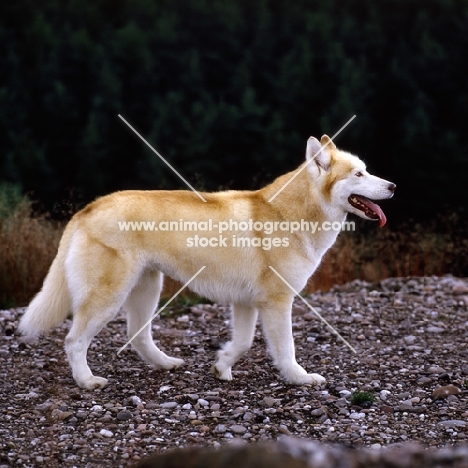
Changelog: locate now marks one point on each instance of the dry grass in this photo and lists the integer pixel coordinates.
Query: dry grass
(28, 244)
(435, 248)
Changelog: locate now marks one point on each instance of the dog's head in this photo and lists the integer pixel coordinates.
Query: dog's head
(345, 181)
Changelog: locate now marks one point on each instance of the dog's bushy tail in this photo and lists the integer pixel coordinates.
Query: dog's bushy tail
(52, 304)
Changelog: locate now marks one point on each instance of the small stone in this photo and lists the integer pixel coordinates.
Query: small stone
(135, 401)
(284, 430)
(269, 401)
(424, 381)
(436, 370)
(187, 406)
(459, 289)
(203, 402)
(61, 415)
(452, 423)
(220, 429)
(238, 429)
(384, 395)
(405, 407)
(316, 413)
(432, 329)
(444, 392)
(124, 416)
(169, 405)
(106, 433)
(410, 339)
(357, 415)
(248, 416)
(387, 409)
(97, 408)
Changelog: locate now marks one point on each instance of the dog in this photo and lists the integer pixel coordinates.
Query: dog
(101, 267)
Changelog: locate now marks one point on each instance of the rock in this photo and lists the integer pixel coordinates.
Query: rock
(424, 381)
(124, 416)
(269, 401)
(168, 405)
(357, 415)
(410, 339)
(284, 430)
(436, 370)
(459, 288)
(238, 429)
(384, 395)
(387, 409)
(317, 412)
(61, 415)
(220, 429)
(106, 433)
(135, 401)
(453, 423)
(444, 392)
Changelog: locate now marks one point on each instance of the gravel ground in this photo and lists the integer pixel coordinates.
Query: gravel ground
(411, 339)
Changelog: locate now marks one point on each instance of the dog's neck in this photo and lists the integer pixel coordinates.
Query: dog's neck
(296, 196)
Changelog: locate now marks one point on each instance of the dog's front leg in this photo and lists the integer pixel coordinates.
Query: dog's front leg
(277, 327)
(244, 319)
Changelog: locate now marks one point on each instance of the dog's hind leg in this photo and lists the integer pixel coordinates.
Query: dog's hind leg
(243, 329)
(140, 305)
(99, 283)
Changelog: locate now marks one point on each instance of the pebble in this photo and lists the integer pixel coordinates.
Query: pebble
(453, 423)
(238, 429)
(444, 392)
(269, 401)
(169, 405)
(135, 401)
(124, 416)
(398, 360)
(220, 429)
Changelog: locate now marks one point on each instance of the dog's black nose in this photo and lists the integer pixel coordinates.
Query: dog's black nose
(391, 187)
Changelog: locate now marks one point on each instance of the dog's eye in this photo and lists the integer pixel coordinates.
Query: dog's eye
(359, 174)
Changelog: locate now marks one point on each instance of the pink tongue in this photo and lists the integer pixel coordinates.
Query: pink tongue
(376, 209)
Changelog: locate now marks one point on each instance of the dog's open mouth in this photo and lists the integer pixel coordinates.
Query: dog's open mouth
(368, 207)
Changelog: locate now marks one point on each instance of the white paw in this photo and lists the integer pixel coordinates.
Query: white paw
(221, 374)
(308, 379)
(92, 383)
(171, 363)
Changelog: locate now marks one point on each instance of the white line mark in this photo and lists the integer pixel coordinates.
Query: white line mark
(193, 190)
(312, 309)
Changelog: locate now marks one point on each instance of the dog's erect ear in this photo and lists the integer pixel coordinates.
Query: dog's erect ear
(327, 141)
(318, 153)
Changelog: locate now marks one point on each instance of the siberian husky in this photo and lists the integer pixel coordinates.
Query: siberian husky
(102, 266)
